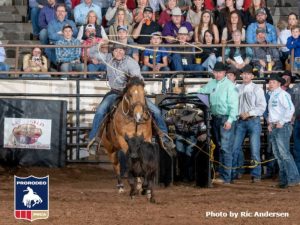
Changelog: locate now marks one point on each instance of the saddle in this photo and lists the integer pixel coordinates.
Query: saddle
(109, 116)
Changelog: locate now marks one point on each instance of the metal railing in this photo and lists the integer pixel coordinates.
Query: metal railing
(77, 128)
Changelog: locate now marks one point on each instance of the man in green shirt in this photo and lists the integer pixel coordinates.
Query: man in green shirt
(223, 99)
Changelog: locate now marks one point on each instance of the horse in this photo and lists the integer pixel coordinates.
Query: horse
(132, 118)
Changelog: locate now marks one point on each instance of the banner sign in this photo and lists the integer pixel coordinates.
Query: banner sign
(27, 133)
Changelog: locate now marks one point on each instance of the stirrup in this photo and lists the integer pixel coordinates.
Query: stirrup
(91, 142)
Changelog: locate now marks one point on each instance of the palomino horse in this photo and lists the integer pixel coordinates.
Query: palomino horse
(130, 118)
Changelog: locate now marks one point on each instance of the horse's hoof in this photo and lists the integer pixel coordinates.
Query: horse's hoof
(121, 190)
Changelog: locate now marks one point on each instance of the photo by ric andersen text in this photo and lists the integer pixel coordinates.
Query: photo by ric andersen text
(246, 214)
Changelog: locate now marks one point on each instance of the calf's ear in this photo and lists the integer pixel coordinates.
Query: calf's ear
(126, 137)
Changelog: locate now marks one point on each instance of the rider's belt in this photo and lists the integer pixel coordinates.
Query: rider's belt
(249, 118)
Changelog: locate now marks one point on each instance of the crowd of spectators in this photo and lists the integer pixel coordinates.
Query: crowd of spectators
(187, 23)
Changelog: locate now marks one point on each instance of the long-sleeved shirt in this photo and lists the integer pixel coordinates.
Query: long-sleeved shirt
(2, 54)
(65, 55)
(251, 99)
(81, 11)
(35, 3)
(55, 27)
(281, 107)
(295, 94)
(282, 39)
(223, 98)
(28, 62)
(47, 14)
(117, 71)
(170, 29)
(260, 53)
(271, 35)
(111, 13)
(293, 43)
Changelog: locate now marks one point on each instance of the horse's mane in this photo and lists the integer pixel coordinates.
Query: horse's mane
(133, 81)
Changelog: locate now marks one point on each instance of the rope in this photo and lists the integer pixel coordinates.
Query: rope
(211, 158)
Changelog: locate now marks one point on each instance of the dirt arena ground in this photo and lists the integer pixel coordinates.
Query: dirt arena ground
(86, 194)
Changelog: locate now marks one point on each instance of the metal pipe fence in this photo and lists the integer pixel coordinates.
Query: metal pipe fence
(76, 127)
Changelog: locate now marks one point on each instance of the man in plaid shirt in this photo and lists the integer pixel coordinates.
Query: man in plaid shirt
(68, 58)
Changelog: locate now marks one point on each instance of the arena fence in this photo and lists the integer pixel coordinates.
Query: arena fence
(76, 127)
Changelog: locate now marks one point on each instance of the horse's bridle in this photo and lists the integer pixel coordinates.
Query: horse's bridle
(132, 107)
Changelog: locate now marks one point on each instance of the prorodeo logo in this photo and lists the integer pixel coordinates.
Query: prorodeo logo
(31, 198)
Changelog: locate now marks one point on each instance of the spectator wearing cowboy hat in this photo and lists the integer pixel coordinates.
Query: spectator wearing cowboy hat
(171, 28)
(142, 31)
(180, 60)
(281, 110)
(289, 79)
(252, 104)
(224, 108)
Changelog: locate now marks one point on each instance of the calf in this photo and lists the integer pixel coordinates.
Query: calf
(142, 159)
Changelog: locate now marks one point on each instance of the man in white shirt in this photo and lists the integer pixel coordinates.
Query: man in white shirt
(281, 110)
(252, 104)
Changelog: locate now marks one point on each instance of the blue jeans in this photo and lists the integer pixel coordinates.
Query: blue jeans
(44, 37)
(109, 100)
(297, 65)
(223, 141)
(68, 67)
(271, 167)
(210, 62)
(4, 67)
(253, 128)
(34, 15)
(147, 68)
(280, 139)
(176, 62)
(183, 146)
(95, 68)
(36, 75)
(296, 151)
(50, 52)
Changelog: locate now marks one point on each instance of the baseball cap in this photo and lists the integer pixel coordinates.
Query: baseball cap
(259, 11)
(260, 30)
(67, 26)
(148, 9)
(90, 26)
(122, 27)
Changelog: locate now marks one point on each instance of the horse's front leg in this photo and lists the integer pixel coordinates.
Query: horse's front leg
(115, 161)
